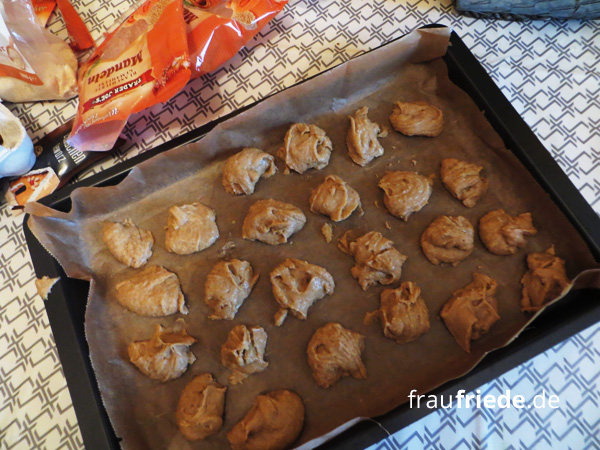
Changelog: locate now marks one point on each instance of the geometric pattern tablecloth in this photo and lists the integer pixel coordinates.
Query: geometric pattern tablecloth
(570, 370)
(549, 70)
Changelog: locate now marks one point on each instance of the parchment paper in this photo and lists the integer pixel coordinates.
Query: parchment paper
(142, 411)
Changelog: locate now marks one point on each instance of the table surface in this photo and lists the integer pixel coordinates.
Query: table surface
(550, 72)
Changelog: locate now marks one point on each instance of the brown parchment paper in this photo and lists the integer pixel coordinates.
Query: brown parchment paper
(142, 411)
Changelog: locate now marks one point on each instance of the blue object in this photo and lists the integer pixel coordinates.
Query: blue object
(19, 160)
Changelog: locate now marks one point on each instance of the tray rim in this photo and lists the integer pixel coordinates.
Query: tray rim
(536, 159)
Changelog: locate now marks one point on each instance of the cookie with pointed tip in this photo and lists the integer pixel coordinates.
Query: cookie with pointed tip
(152, 291)
(244, 352)
(242, 171)
(334, 198)
(200, 408)
(471, 310)
(166, 355)
(272, 222)
(128, 243)
(417, 119)
(297, 285)
(546, 280)
(335, 352)
(503, 234)
(463, 181)
(305, 147)
(273, 423)
(362, 138)
(190, 228)
(448, 240)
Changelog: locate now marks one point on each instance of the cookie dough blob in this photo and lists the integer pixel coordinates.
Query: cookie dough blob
(405, 193)
(243, 170)
(334, 198)
(190, 229)
(166, 355)
(503, 234)
(448, 240)
(244, 351)
(272, 222)
(463, 181)
(297, 285)
(152, 291)
(377, 260)
(200, 408)
(471, 311)
(403, 313)
(305, 147)
(227, 285)
(363, 145)
(44, 286)
(128, 244)
(545, 280)
(417, 119)
(335, 352)
(273, 423)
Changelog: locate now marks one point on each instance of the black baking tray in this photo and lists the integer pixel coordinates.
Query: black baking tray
(67, 301)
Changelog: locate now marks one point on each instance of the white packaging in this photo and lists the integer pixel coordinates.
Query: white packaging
(16, 148)
(34, 64)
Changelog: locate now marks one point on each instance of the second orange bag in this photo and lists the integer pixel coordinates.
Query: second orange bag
(218, 29)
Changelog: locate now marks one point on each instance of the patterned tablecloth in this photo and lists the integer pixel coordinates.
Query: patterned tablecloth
(549, 70)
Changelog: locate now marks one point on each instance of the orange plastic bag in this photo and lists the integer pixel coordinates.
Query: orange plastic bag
(218, 29)
(81, 39)
(142, 62)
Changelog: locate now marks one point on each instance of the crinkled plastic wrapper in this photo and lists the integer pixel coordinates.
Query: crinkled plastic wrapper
(218, 29)
(34, 64)
(143, 62)
(142, 411)
(147, 59)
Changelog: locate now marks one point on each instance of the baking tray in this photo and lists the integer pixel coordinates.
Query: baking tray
(67, 301)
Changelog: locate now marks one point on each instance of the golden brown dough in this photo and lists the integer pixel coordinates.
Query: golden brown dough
(128, 244)
(273, 423)
(377, 260)
(403, 313)
(272, 222)
(297, 285)
(242, 171)
(152, 291)
(405, 192)
(472, 310)
(166, 355)
(363, 145)
(335, 352)
(327, 232)
(463, 181)
(545, 280)
(305, 147)
(227, 285)
(503, 234)
(334, 198)
(244, 352)
(200, 408)
(448, 239)
(44, 286)
(190, 229)
(417, 119)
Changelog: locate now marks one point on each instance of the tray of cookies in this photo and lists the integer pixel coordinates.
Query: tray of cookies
(321, 254)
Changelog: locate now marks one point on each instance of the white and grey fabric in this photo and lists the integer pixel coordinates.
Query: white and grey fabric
(549, 70)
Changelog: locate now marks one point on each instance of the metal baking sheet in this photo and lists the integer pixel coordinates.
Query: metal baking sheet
(582, 221)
